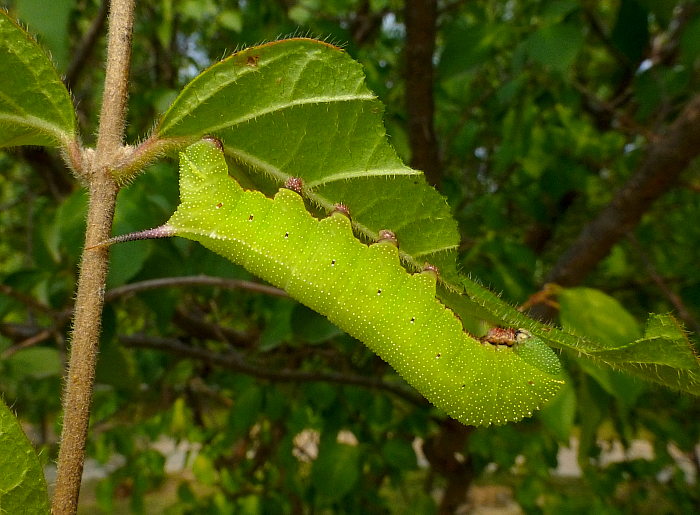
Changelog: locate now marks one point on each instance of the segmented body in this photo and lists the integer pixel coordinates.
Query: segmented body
(362, 289)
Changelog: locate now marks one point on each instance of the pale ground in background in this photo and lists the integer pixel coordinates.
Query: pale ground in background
(481, 500)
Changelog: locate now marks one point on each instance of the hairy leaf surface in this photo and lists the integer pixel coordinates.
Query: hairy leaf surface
(300, 108)
(35, 107)
(22, 484)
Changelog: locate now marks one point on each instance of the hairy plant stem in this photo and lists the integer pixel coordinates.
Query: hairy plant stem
(93, 271)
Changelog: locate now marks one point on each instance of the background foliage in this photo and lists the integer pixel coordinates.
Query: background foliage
(542, 111)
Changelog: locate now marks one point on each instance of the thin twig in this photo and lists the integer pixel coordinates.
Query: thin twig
(190, 323)
(201, 280)
(234, 362)
(683, 313)
(29, 342)
(28, 300)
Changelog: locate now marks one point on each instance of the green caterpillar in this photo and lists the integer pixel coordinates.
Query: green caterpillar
(362, 289)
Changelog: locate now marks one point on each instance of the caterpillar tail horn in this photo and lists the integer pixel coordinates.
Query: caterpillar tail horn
(164, 231)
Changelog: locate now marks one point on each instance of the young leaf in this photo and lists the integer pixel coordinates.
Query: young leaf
(663, 354)
(22, 484)
(35, 107)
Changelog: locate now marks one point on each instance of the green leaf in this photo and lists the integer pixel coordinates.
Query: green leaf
(35, 107)
(50, 20)
(400, 454)
(22, 484)
(312, 327)
(555, 45)
(605, 333)
(556, 11)
(624, 388)
(559, 414)
(690, 40)
(467, 46)
(663, 354)
(274, 104)
(104, 492)
(204, 470)
(336, 470)
(245, 411)
(67, 232)
(231, 19)
(592, 313)
(631, 31)
(35, 363)
(115, 365)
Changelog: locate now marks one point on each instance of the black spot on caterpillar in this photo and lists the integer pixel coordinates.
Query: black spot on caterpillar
(362, 289)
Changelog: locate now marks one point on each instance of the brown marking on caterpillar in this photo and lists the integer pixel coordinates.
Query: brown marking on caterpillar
(252, 60)
(386, 235)
(214, 141)
(431, 269)
(428, 266)
(500, 336)
(342, 209)
(219, 205)
(295, 184)
(250, 218)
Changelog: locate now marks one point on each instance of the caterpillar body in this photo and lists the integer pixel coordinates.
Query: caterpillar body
(362, 289)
